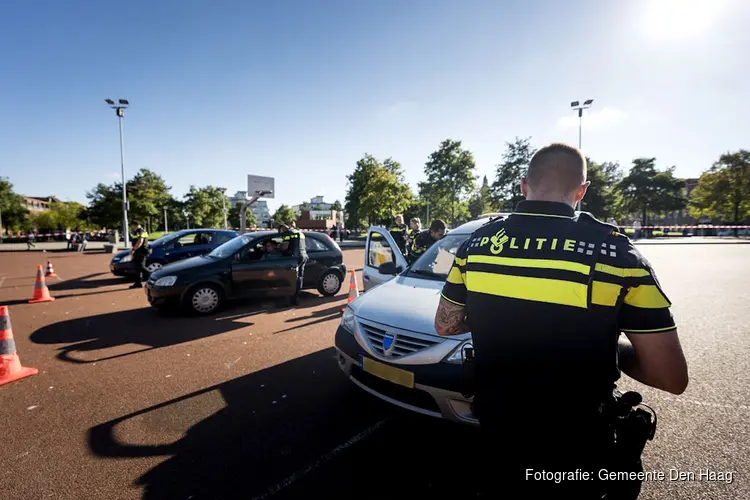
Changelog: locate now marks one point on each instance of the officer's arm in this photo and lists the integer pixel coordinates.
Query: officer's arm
(137, 244)
(450, 317)
(653, 355)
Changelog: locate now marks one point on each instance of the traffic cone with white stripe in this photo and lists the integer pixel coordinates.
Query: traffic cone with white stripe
(41, 292)
(353, 291)
(10, 364)
(50, 270)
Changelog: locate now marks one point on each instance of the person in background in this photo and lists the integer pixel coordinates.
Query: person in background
(637, 228)
(425, 239)
(415, 226)
(398, 232)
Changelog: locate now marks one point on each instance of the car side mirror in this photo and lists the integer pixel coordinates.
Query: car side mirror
(389, 268)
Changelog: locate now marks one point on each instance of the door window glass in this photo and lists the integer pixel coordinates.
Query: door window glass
(379, 251)
(313, 245)
(221, 238)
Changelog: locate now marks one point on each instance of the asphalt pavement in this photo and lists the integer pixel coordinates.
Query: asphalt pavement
(250, 403)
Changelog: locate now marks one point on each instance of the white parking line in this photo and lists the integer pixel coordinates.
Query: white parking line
(321, 461)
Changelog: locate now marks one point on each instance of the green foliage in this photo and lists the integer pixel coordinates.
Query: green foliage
(481, 201)
(283, 215)
(506, 190)
(148, 194)
(645, 189)
(337, 206)
(723, 192)
(12, 207)
(204, 206)
(105, 205)
(450, 180)
(377, 191)
(233, 217)
(602, 198)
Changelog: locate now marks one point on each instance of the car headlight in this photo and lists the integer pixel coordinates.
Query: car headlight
(127, 258)
(347, 320)
(166, 281)
(457, 356)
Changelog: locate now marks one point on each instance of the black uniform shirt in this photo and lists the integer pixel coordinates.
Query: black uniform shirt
(398, 232)
(539, 329)
(422, 241)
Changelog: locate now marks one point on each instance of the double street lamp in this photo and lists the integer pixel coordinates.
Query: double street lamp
(576, 105)
(119, 108)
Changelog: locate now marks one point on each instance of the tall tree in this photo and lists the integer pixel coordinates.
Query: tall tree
(13, 210)
(506, 190)
(148, 195)
(450, 178)
(205, 206)
(233, 216)
(647, 190)
(723, 192)
(602, 199)
(376, 192)
(337, 206)
(481, 201)
(283, 215)
(105, 205)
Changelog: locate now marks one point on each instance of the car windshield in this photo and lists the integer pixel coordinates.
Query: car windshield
(231, 247)
(437, 261)
(164, 239)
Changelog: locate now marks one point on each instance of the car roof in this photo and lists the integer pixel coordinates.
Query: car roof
(473, 225)
(196, 230)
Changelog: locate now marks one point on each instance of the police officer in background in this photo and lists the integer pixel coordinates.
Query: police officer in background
(294, 241)
(415, 226)
(398, 232)
(138, 255)
(424, 240)
(545, 293)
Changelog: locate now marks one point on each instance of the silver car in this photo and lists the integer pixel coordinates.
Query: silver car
(386, 342)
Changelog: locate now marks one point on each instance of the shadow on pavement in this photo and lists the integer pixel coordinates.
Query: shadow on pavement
(82, 283)
(269, 425)
(145, 327)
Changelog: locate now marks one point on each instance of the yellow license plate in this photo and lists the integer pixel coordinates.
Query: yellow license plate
(395, 375)
(112, 268)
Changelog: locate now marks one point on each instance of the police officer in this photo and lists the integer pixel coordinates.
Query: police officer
(545, 293)
(398, 232)
(294, 241)
(424, 240)
(138, 255)
(415, 226)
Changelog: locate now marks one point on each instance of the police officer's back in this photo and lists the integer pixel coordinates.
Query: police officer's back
(294, 244)
(139, 254)
(546, 293)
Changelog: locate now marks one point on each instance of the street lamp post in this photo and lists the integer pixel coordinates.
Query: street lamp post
(119, 108)
(576, 105)
(224, 206)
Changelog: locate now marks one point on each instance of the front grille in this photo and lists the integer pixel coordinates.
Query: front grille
(413, 397)
(403, 345)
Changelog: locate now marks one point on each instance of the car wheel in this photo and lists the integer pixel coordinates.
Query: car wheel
(204, 299)
(154, 266)
(329, 283)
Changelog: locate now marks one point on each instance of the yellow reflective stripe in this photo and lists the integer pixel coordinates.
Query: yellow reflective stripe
(646, 297)
(622, 272)
(455, 276)
(535, 263)
(653, 330)
(605, 294)
(566, 293)
(451, 300)
(459, 262)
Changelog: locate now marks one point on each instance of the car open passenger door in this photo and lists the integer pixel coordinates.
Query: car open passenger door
(381, 249)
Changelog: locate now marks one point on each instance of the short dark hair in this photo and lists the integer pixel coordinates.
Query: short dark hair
(437, 225)
(556, 167)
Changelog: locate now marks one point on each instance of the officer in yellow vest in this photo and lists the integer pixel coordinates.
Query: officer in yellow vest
(138, 255)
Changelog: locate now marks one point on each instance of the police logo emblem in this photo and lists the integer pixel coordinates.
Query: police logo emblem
(498, 241)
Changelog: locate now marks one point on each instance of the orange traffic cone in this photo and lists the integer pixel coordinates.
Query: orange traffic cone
(50, 270)
(353, 291)
(41, 292)
(10, 364)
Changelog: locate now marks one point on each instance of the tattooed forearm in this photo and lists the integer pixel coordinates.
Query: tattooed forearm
(450, 319)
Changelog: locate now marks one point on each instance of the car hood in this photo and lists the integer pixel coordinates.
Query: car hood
(184, 265)
(403, 302)
(121, 254)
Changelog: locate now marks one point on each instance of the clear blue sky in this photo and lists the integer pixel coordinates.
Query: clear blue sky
(300, 90)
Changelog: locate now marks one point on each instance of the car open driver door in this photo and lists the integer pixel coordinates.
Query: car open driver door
(380, 249)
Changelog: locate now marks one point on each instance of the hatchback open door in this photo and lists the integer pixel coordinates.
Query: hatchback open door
(383, 259)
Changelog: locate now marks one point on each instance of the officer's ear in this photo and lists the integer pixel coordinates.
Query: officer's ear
(581, 192)
(524, 187)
